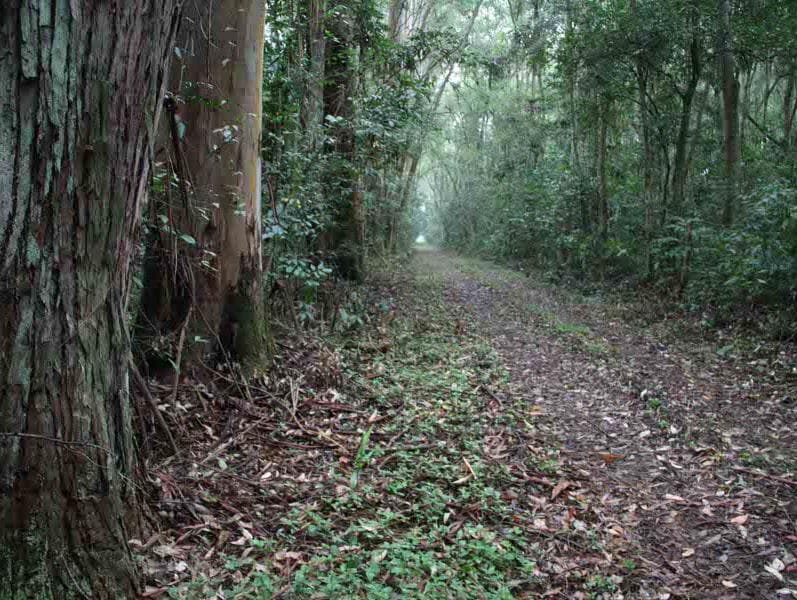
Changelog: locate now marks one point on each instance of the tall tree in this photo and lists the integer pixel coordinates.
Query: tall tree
(343, 181)
(80, 89)
(312, 109)
(694, 67)
(730, 110)
(205, 268)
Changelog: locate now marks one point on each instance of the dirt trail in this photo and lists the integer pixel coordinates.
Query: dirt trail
(682, 449)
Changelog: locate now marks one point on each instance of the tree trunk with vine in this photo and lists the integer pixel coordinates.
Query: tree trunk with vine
(204, 271)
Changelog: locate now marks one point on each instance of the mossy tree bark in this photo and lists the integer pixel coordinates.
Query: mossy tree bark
(80, 89)
(214, 276)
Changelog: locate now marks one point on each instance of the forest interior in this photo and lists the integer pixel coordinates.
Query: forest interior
(398, 299)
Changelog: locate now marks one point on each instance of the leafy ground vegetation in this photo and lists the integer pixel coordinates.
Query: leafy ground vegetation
(480, 435)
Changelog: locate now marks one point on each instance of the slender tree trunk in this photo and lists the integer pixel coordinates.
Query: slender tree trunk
(746, 92)
(80, 89)
(343, 180)
(313, 109)
(603, 192)
(680, 171)
(214, 276)
(407, 187)
(411, 160)
(730, 112)
(641, 73)
(395, 22)
(789, 104)
(696, 132)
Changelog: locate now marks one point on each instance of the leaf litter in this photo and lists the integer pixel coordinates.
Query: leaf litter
(483, 435)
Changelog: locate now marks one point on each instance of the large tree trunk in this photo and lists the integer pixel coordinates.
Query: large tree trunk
(80, 89)
(342, 179)
(730, 112)
(213, 277)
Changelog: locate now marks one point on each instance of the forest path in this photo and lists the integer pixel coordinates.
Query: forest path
(676, 454)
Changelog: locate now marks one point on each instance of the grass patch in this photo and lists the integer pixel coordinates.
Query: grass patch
(572, 329)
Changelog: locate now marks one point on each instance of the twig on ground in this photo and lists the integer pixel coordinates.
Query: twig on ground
(142, 386)
(222, 447)
(180, 342)
(785, 480)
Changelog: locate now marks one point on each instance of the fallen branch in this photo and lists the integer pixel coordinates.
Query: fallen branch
(234, 439)
(766, 476)
(142, 386)
(177, 367)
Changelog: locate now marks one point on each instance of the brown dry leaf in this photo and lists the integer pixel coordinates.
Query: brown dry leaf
(560, 487)
(609, 458)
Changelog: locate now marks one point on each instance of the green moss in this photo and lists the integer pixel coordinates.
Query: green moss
(21, 578)
(252, 344)
(32, 252)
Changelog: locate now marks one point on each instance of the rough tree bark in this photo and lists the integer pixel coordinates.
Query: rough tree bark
(216, 282)
(80, 90)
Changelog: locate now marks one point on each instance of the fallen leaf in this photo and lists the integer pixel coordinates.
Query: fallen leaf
(283, 555)
(181, 566)
(740, 520)
(540, 524)
(688, 552)
(560, 487)
(674, 498)
(728, 584)
(775, 567)
(609, 458)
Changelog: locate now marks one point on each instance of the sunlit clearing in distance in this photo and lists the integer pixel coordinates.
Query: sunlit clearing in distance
(421, 239)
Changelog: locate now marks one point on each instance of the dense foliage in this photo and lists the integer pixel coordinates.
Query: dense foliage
(651, 142)
(395, 57)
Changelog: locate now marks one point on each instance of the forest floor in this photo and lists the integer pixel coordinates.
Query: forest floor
(484, 435)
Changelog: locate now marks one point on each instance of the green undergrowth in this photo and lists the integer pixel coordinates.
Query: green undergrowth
(427, 505)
